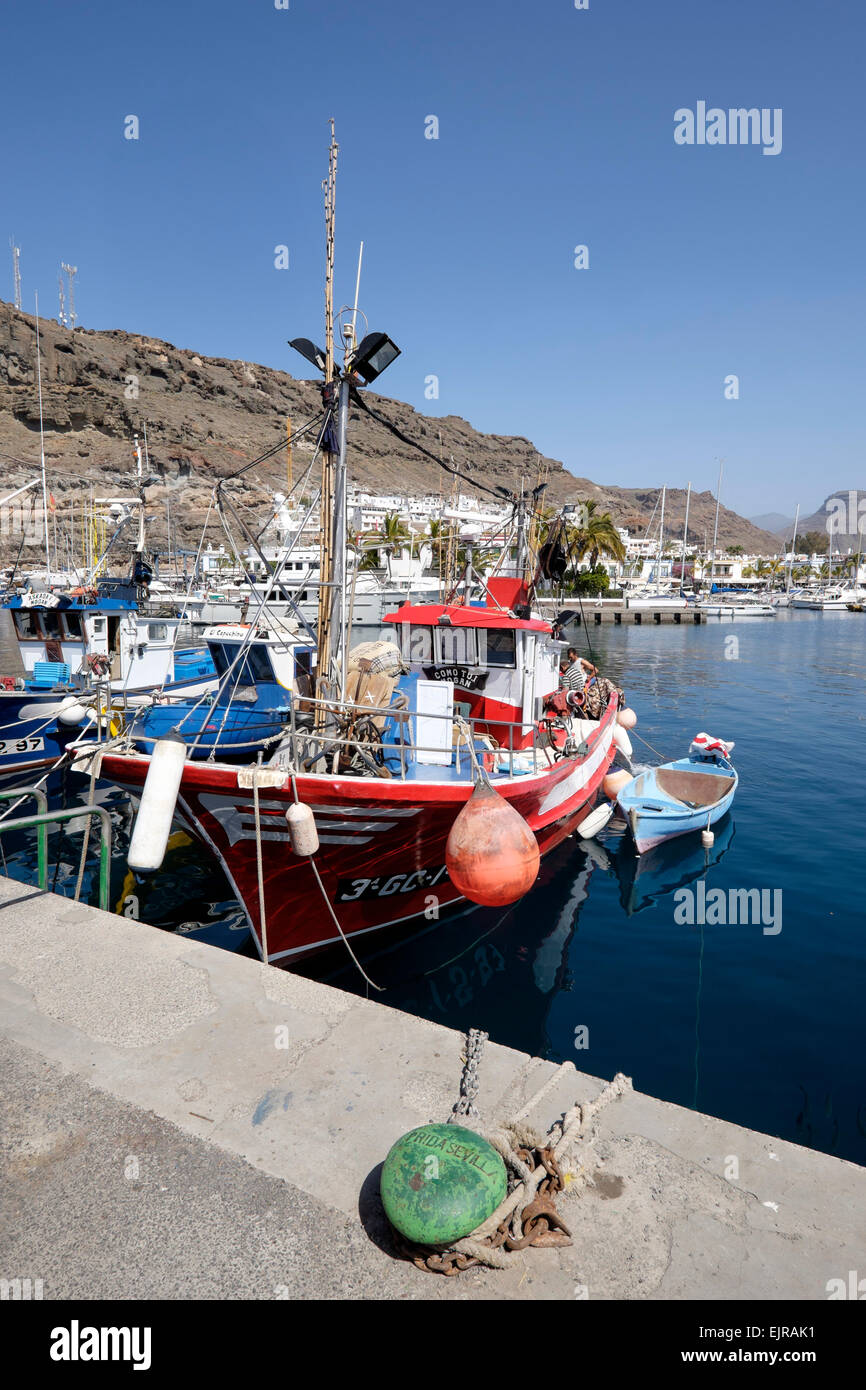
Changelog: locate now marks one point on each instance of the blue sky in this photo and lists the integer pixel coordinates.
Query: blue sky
(555, 129)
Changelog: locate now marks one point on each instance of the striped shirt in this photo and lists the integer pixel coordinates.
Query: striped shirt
(574, 676)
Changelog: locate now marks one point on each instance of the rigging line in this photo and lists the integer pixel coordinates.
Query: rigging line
(298, 484)
(413, 444)
(246, 641)
(315, 868)
(278, 448)
(634, 734)
(185, 608)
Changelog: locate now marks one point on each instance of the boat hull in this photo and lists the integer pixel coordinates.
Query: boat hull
(381, 858)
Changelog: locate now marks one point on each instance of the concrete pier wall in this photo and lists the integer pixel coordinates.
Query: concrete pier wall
(181, 1122)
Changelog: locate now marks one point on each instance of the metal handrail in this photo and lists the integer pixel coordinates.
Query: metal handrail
(46, 818)
(41, 799)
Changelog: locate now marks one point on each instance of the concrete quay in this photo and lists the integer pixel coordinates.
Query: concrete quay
(179, 1122)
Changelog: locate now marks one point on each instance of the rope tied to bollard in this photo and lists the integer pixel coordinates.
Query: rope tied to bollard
(541, 1167)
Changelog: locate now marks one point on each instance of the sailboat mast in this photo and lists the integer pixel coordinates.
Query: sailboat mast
(716, 526)
(42, 451)
(139, 473)
(793, 547)
(329, 462)
(661, 542)
(685, 534)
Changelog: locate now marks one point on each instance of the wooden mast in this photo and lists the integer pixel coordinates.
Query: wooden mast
(329, 462)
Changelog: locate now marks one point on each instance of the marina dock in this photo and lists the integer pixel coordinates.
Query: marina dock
(185, 1123)
(620, 616)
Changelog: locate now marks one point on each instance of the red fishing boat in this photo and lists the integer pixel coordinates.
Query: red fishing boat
(460, 710)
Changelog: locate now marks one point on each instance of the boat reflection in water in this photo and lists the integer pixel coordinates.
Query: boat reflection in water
(503, 971)
(495, 969)
(644, 879)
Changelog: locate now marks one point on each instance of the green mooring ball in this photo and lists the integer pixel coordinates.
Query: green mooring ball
(441, 1181)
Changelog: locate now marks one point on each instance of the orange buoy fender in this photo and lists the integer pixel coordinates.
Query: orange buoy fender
(615, 782)
(491, 854)
(626, 718)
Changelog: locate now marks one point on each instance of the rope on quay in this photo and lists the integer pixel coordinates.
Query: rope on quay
(541, 1167)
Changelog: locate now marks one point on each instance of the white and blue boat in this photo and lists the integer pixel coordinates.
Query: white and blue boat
(680, 797)
(69, 645)
(259, 673)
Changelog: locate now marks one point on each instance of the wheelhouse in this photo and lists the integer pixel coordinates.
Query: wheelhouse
(500, 666)
(267, 658)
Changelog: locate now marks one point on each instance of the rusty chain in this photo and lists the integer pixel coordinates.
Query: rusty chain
(543, 1227)
(465, 1107)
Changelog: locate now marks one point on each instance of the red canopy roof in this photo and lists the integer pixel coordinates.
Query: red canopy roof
(462, 615)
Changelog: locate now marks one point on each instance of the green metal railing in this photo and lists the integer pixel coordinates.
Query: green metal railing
(41, 799)
(40, 824)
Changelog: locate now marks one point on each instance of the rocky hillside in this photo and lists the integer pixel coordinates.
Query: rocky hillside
(207, 417)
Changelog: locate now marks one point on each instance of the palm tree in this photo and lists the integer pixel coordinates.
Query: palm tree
(394, 532)
(596, 536)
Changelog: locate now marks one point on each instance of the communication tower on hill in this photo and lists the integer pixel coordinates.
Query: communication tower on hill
(71, 271)
(16, 271)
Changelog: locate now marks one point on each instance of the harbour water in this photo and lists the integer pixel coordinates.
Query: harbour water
(639, 965)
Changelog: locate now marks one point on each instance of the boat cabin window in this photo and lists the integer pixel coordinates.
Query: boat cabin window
(52, 623)
(72, 624)
(497, 647)
(26, 622)
(254, 666)
(304, 670)
(157, 632)
(457, 646)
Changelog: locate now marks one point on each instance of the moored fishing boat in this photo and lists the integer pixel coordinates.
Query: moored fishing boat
(386, 780)
(77, 652)
(258, 670)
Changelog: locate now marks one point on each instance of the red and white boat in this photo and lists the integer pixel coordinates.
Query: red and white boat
(382, 835)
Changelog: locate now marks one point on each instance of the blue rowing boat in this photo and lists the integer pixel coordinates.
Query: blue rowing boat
(679, 797)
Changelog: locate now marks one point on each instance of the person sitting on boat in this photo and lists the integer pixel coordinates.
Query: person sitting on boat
(577, 671)
(586, 692)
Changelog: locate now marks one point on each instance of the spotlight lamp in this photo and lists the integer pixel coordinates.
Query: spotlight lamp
(373, 354)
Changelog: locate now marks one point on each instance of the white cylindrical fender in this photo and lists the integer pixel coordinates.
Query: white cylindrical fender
(595, 821)
(158, 801)
(708, 839)
(622, 740)
(71, 712)
(302, 829)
